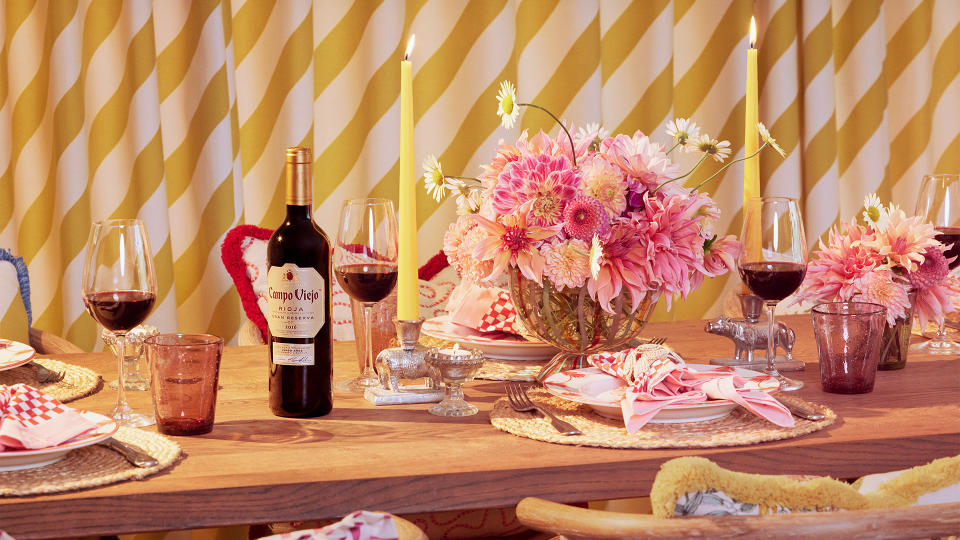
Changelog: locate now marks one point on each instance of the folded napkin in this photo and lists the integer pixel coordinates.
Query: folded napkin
(360, 525)
(30, 419)
(657, 377)
(484, 309)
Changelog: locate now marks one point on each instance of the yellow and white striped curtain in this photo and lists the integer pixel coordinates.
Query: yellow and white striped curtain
(177, 112)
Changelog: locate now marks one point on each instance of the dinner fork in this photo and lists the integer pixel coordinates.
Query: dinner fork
(636, 342)
(517, 396)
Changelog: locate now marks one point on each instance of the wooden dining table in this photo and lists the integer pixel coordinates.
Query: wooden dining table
(255, 467)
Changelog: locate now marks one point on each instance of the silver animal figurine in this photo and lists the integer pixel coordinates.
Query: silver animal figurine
(409, 361)
(749, 336)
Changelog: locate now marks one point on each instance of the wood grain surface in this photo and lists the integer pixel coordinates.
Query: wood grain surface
(255, 467)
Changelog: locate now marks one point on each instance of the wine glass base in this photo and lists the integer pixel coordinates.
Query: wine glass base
(453, 408)
(789, 385)
(131, 418)
(358, 385)
(935, 346)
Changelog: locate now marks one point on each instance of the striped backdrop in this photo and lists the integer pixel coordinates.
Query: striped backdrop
(178, 112)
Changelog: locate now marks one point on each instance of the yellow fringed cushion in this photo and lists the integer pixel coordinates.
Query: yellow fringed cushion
(692, 486)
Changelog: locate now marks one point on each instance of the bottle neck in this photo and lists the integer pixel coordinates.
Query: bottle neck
(296, 212)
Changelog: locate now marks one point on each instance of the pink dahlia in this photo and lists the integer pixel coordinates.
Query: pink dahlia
(620, 265)
(933, 302)
(511, 241)
(641, 158)
(671, 243)
(544, 181)
(506, 153)
(566, 263)
(605, 182)
(719, 257)
(584, 217)
(879, 287)
(459, 243)
(832, 274)
(932, 271)
(904, 240)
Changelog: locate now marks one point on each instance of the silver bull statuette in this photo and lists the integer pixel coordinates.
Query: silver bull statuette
(748, 336)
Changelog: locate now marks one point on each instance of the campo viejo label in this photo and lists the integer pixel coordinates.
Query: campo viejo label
(296, 301)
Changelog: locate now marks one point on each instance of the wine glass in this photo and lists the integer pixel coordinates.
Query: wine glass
(119, 290)
(939, 203)
(365, 263)
(773, 261)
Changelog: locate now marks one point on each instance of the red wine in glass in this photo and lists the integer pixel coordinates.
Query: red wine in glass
(367, 282)
(772, 280)
(119, 311)
(950, 237)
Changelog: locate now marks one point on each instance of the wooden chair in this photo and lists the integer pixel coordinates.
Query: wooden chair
(48, 343)
(574, 523)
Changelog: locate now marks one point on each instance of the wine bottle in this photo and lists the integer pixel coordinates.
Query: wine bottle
(298, 302)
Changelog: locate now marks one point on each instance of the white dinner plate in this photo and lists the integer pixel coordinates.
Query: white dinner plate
(602, 393)
(500, 346)
(14, 353)
(12, 460)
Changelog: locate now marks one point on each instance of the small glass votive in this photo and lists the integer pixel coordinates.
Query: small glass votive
(848, 345)
(455, 366)
(184, 371)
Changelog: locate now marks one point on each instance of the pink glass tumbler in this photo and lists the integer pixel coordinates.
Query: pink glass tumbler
(848, 345)
(184, 372)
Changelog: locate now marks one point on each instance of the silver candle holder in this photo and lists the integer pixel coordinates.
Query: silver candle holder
(408, 361)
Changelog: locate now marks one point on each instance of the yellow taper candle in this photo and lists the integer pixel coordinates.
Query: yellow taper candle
(408, 287)
(751, 167)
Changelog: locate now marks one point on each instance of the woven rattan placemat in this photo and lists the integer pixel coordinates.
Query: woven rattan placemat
(740, 427)
(76, 383)
(91, 466)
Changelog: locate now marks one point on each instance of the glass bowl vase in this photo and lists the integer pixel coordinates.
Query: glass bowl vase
(572, 321)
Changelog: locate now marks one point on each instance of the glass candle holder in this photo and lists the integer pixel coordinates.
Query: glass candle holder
(133, 379)
(455, 367)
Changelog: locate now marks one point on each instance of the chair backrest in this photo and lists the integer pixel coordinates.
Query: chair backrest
(907, 522)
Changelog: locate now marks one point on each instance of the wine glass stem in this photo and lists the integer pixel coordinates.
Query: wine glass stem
(121, 373)
(771, 340)
(367, 370)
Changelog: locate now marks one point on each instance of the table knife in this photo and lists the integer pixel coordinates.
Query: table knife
(801, 411)
(131, 453)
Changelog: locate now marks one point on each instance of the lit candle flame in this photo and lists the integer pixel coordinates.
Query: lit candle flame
(753, 33)
(406, 55)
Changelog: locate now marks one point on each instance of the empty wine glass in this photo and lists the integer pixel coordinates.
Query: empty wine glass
(119, 290)
(365, 263)
(939, 203)
(773, 261)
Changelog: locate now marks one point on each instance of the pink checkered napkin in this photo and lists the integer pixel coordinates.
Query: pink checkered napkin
(484, 309)
(658, 377)
(30, 419)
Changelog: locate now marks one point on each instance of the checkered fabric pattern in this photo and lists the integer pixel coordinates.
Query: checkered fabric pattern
(30, 419)
(501, 316)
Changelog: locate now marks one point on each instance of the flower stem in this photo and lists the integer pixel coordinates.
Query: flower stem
(672, 148)
(573, 149)
(721, 169)
(695, 167)
(477, 180)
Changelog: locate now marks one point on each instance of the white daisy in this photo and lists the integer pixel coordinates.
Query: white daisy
(591, 131)
(433, 178)
(469, 201)
(682, 130)
(874, 213)
(596, 253)
(767, 138)
(719, 151)
(507, 108)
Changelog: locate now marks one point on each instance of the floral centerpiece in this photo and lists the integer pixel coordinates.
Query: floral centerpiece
(892, 260)
(595, 222)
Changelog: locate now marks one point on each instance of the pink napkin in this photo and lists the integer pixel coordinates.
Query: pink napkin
(30, 419)
(657, 377)
(484, 309)
(360, 525)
